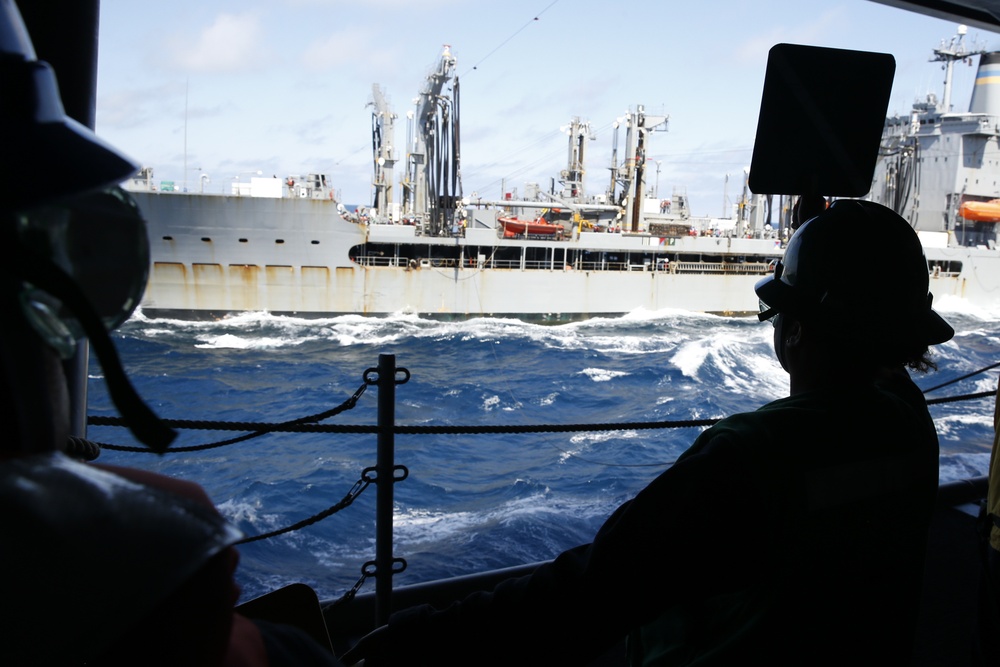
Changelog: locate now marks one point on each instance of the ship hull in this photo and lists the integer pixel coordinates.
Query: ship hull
(217, 255)
(443, 293)
(214, 255)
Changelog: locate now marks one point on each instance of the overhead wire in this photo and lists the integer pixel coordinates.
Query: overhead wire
(534, 19)
(515, 34)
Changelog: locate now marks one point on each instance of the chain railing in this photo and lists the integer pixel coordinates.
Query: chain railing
(385, 377)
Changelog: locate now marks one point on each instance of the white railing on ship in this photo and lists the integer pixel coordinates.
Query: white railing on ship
(539, 265)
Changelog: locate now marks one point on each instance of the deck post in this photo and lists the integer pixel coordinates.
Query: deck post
(384, 470)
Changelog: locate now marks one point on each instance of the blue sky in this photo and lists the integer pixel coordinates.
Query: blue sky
(229, 88)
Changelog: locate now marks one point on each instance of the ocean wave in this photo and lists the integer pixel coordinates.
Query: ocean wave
(245, 512)
(234, 342)
(605, 334)
(957, 467)
(949, 305)
(420, 528)
(504, 496)
(956, 426)
(602, 374)
(584, 443)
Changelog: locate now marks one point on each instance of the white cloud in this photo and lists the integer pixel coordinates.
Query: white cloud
(344, 48)
(232, 43)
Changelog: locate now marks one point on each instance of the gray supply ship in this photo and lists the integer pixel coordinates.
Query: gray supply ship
(940, 169)
(287, 246)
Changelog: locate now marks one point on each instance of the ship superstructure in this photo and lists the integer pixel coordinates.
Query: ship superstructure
(935, 158)
(940, 169)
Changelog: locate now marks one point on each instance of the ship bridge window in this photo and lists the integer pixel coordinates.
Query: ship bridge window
(314, 242)
(243, 240)
(279, 241)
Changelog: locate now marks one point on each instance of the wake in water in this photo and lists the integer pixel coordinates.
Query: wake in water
(471, 502)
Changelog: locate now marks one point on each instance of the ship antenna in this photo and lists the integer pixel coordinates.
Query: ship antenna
(948, 54)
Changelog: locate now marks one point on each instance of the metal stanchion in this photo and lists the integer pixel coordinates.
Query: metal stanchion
(385, 474)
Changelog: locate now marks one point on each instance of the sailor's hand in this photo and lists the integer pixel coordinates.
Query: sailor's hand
(370, 649)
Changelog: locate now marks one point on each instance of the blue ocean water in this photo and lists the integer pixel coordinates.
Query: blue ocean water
(470, 502)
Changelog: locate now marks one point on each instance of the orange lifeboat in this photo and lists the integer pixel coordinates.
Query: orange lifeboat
(980, 211)
(541, 227)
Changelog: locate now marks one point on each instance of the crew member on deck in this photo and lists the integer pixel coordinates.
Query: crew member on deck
(102, 566)
(988, 631)
(794, 534)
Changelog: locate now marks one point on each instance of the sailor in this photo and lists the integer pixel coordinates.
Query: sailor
(102, 565)
(794, 534)
(988, 630)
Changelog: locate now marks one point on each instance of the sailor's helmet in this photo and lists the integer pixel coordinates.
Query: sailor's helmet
(74, 245)
(859, 268)
(46, 154)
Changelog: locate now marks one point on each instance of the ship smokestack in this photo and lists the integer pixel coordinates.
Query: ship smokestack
(986, 94)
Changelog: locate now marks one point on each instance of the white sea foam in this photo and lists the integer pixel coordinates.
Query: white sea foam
(587, 334)
(596, 437)
(415, 527)
(743, 357)
(644, 315)
(548, 400)
(963, 466)
(951, 426)
(588, 440)
(154, 332)
(953, 305)
(234, 342)
(247, 510)
(602, 374)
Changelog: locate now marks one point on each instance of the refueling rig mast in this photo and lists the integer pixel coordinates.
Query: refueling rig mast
(432, 186)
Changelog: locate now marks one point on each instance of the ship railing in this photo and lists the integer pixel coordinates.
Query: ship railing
(502, 264)
(386, 473)
(376, 260)
(720, 267)
(740, 268)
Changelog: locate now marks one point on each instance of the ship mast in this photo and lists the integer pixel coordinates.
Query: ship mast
(382, 149)
(431, 186)
(571, 177)
(632, 175)
(949, 53)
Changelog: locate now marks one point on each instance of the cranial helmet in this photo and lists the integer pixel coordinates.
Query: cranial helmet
(74, 248)
(878, 293)
(46, 154)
